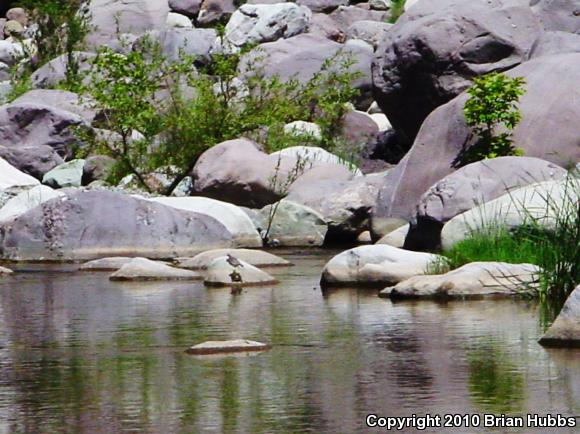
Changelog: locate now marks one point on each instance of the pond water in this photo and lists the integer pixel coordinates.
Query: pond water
(81, 354)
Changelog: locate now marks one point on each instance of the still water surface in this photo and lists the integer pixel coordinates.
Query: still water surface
(80, 354)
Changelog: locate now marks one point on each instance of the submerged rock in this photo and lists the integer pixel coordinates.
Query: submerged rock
(91, 224)
(565, 331)
(145, 269)
(220, 272)
(473, 280)
(376, 265)
(106, 264)
(257, 258)
(232, 346)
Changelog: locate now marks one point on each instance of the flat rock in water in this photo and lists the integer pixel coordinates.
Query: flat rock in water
(221, 273)
(256, 258)
(375, 265)
(5, 271)
(106, 264)
(474, 280)
(145, 269)
(565, 331)
(233, 346)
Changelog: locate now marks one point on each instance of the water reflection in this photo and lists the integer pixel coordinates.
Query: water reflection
(81, 354)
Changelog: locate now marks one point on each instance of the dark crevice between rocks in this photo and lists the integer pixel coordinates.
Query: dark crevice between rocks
(424, 235)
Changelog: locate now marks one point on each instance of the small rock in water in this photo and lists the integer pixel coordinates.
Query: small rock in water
(222, 273)
(232, 346)
(145, 269)
(5, 271)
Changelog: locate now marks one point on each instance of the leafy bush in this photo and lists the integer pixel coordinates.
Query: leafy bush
(202, 108)
(491, 108)
(397, 9)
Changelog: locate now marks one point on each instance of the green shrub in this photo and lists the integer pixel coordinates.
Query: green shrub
(492, 113)
(397, 9)
(177, 129)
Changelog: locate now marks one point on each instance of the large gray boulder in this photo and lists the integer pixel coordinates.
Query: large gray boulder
(372, 32)
(112, 17)
(471, 186)
(292, 224)
(322, 25)
(191, 42)
(565, 331)
(232, 217)
(11, 177)
(189, 8)
(97, 168)
(92, 224)
(32, 160)
(302, 56)
(215, 11)
(255, 24)
(346, 16)
(559, 14)
(429, 56)
(543, 203)
(36, 124)
(322, 5)
(550, 43)
(11, 52)
(344, 204)
(545, 132)
(376, 266)
(52, 73)
(69, 174)
(59, 99)
(27, 200)
(474, 280)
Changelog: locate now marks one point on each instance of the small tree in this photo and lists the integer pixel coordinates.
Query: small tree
(492, 113)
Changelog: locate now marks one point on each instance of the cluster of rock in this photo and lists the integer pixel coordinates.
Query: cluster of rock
(218, 267)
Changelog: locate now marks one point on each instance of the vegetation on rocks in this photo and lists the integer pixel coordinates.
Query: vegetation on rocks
(492, 113)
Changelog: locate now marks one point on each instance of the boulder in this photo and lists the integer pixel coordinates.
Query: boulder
(214, 11)
(18, 14)
(61, 100)
(346, 16)
(313, 156)
(232, 346)
(541, 203)
(32, 160)
(198, 43)
(429, 56)
(308, 130)
(52, 73)
(69, 174)
(323, 25)
(344, 204)
(293, 225)
(10, 52)
(255, 24)
(358, 128)
(91, 224)
(475, 280)
(302, 56)
(375, 266)
(322, 5)
(142, 269)
(257, 258)
(221, 273)
(5, 271)
(178, 21)
(372, 32)
(232, 217)
(189, 8)
(558, 14)
(109, 18)
(550, 43)
(12, 177)
(36, 124)
(97, 168)
(236, 171)
(471, 186)
(545, 132)
(395, 238)
(565, 331)
(27, 200)
(112, 263)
